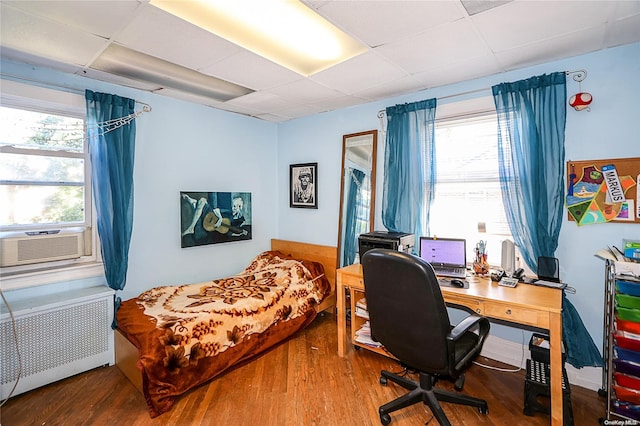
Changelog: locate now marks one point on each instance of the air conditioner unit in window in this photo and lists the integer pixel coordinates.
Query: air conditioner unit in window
(28, 249)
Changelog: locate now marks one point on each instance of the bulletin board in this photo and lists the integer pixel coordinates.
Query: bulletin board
(601, 191)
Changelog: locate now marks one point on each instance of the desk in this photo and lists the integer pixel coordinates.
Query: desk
(528, 305)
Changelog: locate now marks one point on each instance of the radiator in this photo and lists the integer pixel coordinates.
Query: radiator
(57, 336)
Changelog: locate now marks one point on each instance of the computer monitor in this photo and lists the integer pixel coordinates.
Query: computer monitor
(548, 269)
(448, 256)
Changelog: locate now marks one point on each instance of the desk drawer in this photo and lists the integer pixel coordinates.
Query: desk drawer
(474, 305)
(516, 314)
(353, 281)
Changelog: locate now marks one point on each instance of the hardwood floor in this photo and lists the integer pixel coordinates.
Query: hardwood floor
(301, 382)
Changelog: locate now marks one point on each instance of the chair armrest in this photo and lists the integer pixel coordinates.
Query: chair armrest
(466, 324)
(460, 329)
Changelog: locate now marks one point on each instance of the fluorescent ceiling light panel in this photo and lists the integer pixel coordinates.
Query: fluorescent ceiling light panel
(286, 32)
(138, 66)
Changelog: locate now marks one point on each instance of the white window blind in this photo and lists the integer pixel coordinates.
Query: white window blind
(468, 185)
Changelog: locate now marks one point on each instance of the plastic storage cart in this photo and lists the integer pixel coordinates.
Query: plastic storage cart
(621, 341)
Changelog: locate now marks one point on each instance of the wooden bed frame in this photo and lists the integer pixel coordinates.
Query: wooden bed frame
(127, 353)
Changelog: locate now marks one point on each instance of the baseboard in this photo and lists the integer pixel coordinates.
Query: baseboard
(515, 354)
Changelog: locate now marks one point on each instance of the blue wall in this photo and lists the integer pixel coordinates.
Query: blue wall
(183, 146)
(610, 130)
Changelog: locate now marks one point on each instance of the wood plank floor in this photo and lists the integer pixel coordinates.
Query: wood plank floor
(301, 382)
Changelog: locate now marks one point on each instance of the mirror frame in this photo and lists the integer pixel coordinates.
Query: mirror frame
(374, 141)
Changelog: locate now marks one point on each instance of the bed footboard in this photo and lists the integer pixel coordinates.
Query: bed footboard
(127, 359)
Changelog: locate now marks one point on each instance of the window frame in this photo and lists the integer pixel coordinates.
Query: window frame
(57, 102)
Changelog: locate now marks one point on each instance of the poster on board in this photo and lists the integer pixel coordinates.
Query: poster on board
(601, 191)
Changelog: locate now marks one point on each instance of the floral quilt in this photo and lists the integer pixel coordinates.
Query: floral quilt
(188, 334)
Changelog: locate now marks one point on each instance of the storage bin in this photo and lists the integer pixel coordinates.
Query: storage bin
(627, 301)
(627, 367)
(627, 342)
(627, 355)
(628, 410)
(628, 314)
(628, 287)
(627, 326)
(626, 394)
(627, 381)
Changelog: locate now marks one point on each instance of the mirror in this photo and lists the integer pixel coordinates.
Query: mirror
(357, 192)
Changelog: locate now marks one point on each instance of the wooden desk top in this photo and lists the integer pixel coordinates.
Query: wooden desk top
(481, 289)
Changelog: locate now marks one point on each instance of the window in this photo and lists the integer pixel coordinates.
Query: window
(45, 184)
(42, 171)
(468, 195)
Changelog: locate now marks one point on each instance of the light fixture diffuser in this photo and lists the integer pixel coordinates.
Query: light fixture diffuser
(123, 62)
(286, 32)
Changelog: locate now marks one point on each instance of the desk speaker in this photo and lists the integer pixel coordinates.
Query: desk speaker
(508, 256)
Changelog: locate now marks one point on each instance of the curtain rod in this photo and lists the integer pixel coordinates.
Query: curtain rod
(145, 106)
(382, 112)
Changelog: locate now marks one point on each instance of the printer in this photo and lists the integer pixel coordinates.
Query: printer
(387, 240)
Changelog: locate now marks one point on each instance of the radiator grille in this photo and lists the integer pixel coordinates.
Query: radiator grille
(52, 339)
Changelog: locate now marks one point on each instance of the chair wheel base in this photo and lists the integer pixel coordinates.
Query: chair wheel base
(385, 419)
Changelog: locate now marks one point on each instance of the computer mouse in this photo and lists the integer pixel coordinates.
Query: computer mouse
(457, 283)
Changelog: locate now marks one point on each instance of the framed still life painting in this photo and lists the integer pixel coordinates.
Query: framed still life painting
(303, 187)
(214, 217)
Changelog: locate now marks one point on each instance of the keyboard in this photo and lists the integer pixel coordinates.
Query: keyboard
(451, 272)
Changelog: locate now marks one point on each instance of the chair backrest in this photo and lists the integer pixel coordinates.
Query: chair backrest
(406, 309)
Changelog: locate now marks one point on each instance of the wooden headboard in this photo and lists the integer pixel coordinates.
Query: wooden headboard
(327, 255)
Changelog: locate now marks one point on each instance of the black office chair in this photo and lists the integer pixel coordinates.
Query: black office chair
(409, 317)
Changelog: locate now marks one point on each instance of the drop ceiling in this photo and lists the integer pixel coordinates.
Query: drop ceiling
(410, 46)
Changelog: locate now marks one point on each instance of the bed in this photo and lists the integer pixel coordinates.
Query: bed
(171, 339)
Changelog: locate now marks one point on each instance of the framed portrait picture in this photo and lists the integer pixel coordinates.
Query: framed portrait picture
(214, 217)
(303, 185)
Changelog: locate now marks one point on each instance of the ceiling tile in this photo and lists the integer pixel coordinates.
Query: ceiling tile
(381, 22)
(444, 44)
(273, 118)
(185, 44)
(101, 18)
(625, 9)
(260, 101)
(359, 73)
(465, 69)
(24, 32)
(241, 67)
(393, 88)
(299, 111)
(623, 31)
(304, 91)
(549, 50)
(339, 103)
(511, 26)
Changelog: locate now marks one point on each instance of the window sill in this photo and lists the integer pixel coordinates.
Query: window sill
(51, 275)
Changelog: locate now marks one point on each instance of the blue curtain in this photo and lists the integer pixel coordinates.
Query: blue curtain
(410, 167)
(531, 124)
(112, 157)
(352, 230)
